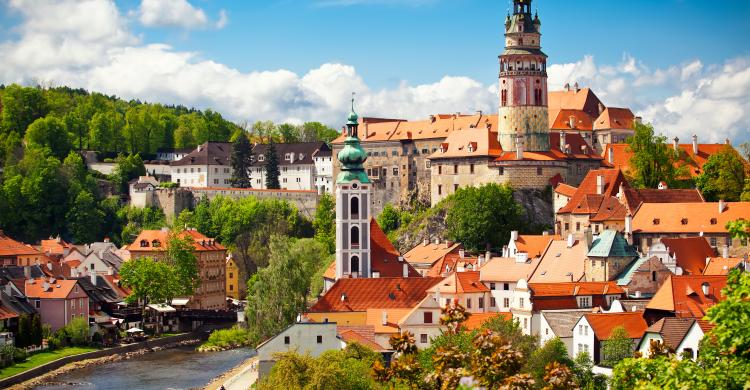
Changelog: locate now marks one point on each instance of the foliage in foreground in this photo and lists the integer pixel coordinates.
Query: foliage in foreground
(222, 339)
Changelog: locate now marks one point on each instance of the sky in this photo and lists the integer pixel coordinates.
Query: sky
(684, 65)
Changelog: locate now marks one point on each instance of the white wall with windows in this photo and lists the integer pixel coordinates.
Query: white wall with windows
(583, 338)
(202, 176)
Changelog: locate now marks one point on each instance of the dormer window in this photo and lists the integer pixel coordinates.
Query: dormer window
(288, 156)
(656, 221)
(261, 157)
(684, 221)
(713, 221)
(155, 243)
(144, 244)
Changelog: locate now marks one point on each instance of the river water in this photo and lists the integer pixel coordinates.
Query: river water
(176, 368)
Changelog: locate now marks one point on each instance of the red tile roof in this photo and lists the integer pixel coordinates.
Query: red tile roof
(476, 320)
(615, 118)
(575, 99)
(720, 265)
(586, 200)
(200, 241)
(469, 142)
(10, 247)
(565, 190)
(535, 245)
(460, 283)
(688, 217)
(430, 253)
(610, 209)
(374, 293)
(634, 197)
(364, 335)
(561, 120)
(691, 253)
(672, 330)
(451, 262)
(603, 324)
(575, 289)
(683, 295)
(620, 156)
(54, 246)
(35, 289)
(384, 256)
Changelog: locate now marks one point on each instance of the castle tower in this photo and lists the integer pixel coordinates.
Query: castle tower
(352, 207)
(523, 83)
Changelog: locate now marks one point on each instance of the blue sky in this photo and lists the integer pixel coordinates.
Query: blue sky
(682, 64)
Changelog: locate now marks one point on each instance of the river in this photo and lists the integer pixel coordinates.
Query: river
(176, 368)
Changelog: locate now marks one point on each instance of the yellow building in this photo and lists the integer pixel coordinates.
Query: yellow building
(233, 279)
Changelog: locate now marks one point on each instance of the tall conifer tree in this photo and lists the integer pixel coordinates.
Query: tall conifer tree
(272, 167)
(241, 160)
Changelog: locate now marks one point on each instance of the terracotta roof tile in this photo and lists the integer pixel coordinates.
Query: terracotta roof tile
(36, 289)
(451, 262)
(54, 246)
(476, 320)
(201, 242)
(688, 217)
(720, 265)
(691, 253)
(10, 247)
(374, 318)
(429, 253)
(620, 156)
(378, 293)
(469, 142)
(575, 289)
(566, 190)
(581, 99)
(506, 269)
(615, 118)
(460, 283)
(384, 256)
(585, 198)
(561, 120)
(356, 336)
(604, 323)
(535, 245)
(610, 209)
(683, 295)
(672, 330)
(560, 263)
(634, 197)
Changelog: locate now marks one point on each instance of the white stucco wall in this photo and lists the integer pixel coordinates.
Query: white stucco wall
(583, 338)
(303, 339)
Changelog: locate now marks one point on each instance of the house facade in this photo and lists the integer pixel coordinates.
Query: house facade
(205, 167)
(58, 302)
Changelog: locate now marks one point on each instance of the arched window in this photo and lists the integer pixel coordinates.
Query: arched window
(504, 97)
(354, 207)
(355, 264)
(355, 236)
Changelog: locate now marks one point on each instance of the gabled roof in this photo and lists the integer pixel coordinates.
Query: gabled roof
(721, 266)
(565, 190)
(437, 126)
(429, 253)
(476, 320)
(634, 197)
(691, 253)
(575, 99)
(672, 330)
(201, 242)
(642, 264)
(688, 217)
(384, 256)
(610, 209)
(15, 303)
(54, 246)
(460, 283)
(575, 289)
(506, 269)
(535, 245)
(586, 200)
(563, 321)
(469, 142)
(620, 156)
(450, 263)
(60, 289)
(603, 324)
(683, 295)
(102, 293)
(560, 263)
(208, 153)
(560, 119)
(364, 335)
(615, 118)
(379, 293)
(10, 247)
(305, 150)
(16, 272)
(611, 243)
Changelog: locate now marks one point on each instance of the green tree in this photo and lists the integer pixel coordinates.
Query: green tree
(389, 219)
(150, 281)
(77, 128)
(510, 331)
(272, 167)
(265, 132)
(127, 168)
(77, 331)
(583, 370)
(37, 330)
(324, 222)
(106, 132)
(241, 161)
(84, 219)
(21, 106)
(653, 160)
(553, 351)
(23, 337)
(619, 346)
(745, 196)
(180, 253)
(723, 176)
(49, 133)
(289, 133)
(482, 217)
(316, 131)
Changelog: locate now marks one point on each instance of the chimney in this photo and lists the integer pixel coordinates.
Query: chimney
(567, 87)
(425, 242)
(461, 253)
(27, 272)
(676, 144)
(367, 130)
(480, 260)
(727, 142)
(92, 275)
(722, 206)
(406, 270)
(432, 118)
(165, 229)
(572, 121)
(384, 318)
(589, 237)
(522, 257)
(706, 288)
(576, 86)
(514, 235)
(695, 144)
(437, 241)
(487, 256)
(638, 120)
(621, 192)
(110, 270)
(600, 184)
(725, 252)
(519, 148)
(571, 240)
(437, 295)
(562, 141)
(601, 108)
(45, 286)
(611, 156)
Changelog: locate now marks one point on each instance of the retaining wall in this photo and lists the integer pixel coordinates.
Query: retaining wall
(54, 365)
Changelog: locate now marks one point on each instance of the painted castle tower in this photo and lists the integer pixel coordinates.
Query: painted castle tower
(353, 258)
(523, 121)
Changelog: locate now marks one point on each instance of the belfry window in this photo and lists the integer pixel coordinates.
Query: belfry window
(355, 236)
(355, 264)
(355, 207)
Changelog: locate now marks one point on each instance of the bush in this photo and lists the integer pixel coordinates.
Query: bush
(19, 355)
(109, 160)
(168, 184)
(222, 339)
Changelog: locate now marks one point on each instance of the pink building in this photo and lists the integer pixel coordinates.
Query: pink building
(58, 301)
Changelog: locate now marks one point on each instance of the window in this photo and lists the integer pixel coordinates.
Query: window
(355, 264)
(468, 303)
(525, 323)
(546, 331)
(713, 241)
(481, 303)
(493, 303)
(395, 171)
(580, 347)
(586, 348)
(506, 286)
(584, 302)
(580, 332)
(38, 304)
(216, 181)
(520, 302)
(423, 338)
(492, 286)
(455, 187)
(354, 207)
(506, 302)
(504, 97)
(455, 169)
(80, 303)
(286, 340)
(231, 287)
(728, 241)
(192, 170)
(501, 171)
(743, 241)
(72, 303)
(428, 317)
(578, 226)
(199, 170)
(471, 168)
(440, 169)
(216, 170)
(585, 330)
(178, 170)
(319, 339)
(440, 189)
(539, 171)
(567, 226)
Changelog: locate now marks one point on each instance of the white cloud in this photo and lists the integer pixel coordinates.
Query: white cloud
(87, 44)
(175, 13)
(223, 19)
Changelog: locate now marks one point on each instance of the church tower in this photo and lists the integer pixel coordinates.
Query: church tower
(522, 115)
(353, 258)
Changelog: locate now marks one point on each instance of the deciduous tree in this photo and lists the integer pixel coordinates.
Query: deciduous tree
(619, 346)
(653, 160)
(723, 176)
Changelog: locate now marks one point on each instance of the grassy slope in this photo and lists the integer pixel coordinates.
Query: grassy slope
(40, 358)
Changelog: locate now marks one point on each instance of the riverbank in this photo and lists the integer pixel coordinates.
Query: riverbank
(219, 381)
(99, 360)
